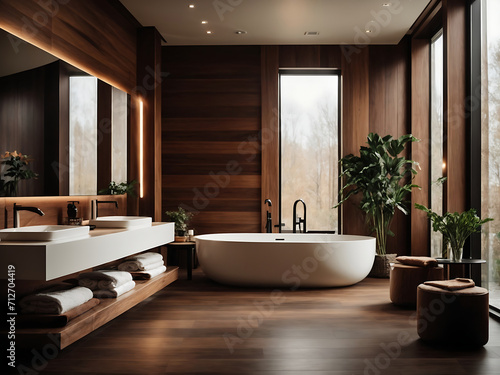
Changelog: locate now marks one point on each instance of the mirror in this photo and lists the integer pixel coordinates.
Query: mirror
(72, 125)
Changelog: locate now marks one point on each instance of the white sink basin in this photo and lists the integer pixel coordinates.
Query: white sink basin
(44, 233)
(128, 222)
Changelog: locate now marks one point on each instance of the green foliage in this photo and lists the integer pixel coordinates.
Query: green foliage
(17, 170)
(119, 189)
(384, 180)
(181, 218)
(455, 227)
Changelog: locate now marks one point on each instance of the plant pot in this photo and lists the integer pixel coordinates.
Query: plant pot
(382, 265)
(180, 238)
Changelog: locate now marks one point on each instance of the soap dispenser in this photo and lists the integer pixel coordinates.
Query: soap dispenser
(72, 218)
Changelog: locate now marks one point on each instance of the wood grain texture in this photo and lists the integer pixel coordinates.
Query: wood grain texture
(211, 136)
(420, 107)
(96, 36)
(199, 326)
(271, 129)
(454, 34)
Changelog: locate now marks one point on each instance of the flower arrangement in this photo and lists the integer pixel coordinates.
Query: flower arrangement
(17, 170)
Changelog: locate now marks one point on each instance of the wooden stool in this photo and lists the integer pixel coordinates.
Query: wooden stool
(405, 279)
(458, 317)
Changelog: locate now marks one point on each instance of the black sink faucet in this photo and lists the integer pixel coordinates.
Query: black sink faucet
(17, 208)
(95, 212)
(299, 220)
(269, 220)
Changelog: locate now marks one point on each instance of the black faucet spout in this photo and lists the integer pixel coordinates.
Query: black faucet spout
(269, 220)
(97, 203)
(297, 222)
(18, 208)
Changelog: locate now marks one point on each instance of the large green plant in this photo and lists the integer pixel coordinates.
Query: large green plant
(455, 227)
(384, 180)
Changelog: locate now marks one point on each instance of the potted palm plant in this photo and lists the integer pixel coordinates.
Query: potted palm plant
(181, 219)
(384, 179)
(455, 227)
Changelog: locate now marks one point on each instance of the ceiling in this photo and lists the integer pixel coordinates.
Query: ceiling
(278, 21)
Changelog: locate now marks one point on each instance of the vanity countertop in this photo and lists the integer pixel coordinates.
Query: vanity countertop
(35, 260)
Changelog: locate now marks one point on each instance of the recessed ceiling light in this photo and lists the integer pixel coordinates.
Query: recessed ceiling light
(368, 31)
(386, 4)
(240, 32)
(191, 6)
(209, 32)
(312, 33)
(204, 22)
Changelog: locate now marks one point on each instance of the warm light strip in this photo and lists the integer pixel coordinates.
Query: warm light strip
(141, 149)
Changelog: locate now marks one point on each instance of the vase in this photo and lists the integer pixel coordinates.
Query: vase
(456, 254)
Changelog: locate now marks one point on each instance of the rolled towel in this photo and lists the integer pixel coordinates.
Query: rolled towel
(456, 284)
(55, 302)
(417, 261)
(134, 265)
(104, 279)
(115, 292)
(140, 261)
(146, 275)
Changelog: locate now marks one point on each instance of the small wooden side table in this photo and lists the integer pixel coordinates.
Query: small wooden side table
(190, 248)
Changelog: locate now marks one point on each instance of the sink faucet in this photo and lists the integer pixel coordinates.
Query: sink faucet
(95, 212)
(17, 208)
(269, 221)
(299, 220)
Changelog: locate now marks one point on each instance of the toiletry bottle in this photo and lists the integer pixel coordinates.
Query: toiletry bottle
(72, 218)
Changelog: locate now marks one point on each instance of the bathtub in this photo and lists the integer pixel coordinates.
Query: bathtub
(291, 260)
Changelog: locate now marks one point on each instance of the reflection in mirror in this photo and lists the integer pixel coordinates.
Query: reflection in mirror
(35, 120)
(82, 135)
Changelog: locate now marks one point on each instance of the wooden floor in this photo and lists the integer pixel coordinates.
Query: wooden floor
(200, 327)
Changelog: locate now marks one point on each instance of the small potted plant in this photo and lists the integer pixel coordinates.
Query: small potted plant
(384, 179)
(181, 218)
(455, 227)
(119, 189)
(17, 170)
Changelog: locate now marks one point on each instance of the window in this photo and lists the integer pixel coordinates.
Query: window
(489, 89)
(309, 141)
(437, 164)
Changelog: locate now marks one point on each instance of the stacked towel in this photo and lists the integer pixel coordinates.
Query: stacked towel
(115, 292)
(142, 262)
(146, 275)
(57, 302)
(457, 284)
(104, 279)
(107, 283)
(417, 261)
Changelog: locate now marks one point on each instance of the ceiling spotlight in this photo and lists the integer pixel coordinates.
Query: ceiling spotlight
(368, 31)
(204, 22)
(209, 32)
(312, 33)
(191, 6)
(240, 32)
(386, 4)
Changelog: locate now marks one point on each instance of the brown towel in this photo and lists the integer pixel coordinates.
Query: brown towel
(457, 284)
(417, 261)
(49, 320)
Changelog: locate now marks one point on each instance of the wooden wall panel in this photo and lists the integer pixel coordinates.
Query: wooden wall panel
(454, 33)
(96, 36)
(355, 126)
(211, 159)
(420, 107)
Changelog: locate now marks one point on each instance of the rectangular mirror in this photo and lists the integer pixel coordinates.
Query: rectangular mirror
(77, 144)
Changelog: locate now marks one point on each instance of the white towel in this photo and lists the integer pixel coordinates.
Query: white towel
(104, 279)
(134, 265)
(115, 292)
(152, 273)
(55, 302)
(140, 261)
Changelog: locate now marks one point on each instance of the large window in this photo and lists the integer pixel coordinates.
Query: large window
(437, 165)
(490, 142)
(309, 114)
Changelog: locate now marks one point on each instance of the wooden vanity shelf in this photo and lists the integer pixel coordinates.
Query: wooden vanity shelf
(107, 310)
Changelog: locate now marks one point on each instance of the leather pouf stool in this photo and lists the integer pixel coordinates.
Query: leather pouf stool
(457, 317)
(405, 279)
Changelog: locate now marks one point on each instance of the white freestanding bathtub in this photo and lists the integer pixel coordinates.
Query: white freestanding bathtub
(286, 260)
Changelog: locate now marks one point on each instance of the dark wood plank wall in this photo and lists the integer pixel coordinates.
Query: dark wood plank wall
(211, 136)
(96, 36)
